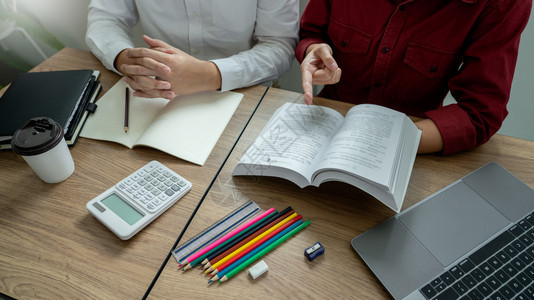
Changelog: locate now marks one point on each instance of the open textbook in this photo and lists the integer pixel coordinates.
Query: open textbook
(372, 148)
(187, 127)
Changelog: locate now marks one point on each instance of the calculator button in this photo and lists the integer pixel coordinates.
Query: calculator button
(149, 167)
(152, 185)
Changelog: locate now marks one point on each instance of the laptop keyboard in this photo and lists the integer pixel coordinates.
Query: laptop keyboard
(501, 269)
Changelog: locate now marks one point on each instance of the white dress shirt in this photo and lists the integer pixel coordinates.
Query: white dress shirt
(250, 41)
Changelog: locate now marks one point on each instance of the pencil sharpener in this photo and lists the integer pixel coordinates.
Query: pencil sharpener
(314, 251)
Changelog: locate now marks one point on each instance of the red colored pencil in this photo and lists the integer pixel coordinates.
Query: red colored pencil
(248, 239)
(224, 238)
(255, 245)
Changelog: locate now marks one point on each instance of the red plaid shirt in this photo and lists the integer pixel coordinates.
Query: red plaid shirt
(407, 55)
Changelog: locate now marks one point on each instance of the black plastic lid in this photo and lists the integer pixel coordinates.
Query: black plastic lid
(36, 136)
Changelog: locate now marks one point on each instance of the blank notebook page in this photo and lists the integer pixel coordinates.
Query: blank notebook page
(187, 127)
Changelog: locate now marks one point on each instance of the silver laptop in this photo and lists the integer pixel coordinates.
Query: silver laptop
(472, 240)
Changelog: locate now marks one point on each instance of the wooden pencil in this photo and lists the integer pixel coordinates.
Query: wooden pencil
(263, 251)
(265, 239)
(126, 109)
(237, 251)
(224, 238)
(212, 258)
(230, 240)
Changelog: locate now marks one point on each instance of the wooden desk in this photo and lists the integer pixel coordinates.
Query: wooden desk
(51, 247)
(338, 212)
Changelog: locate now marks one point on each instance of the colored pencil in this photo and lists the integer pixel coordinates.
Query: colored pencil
(216, 230)
(257, 250)
(224, 238)
(230, 240)
(264, 251)
(216, 256)
(229, 256)
(261, 242)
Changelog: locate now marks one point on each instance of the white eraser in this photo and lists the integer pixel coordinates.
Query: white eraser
(258, 269)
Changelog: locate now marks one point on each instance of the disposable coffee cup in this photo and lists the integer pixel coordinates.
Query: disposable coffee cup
(41, 144)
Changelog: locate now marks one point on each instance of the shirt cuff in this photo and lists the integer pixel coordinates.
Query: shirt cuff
(231, 73)
(110, 52)
(456, 129)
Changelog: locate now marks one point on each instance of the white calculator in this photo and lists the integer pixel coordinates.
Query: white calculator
(138, 199)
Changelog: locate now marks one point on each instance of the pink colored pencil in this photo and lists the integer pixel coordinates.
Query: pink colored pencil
(224, 238)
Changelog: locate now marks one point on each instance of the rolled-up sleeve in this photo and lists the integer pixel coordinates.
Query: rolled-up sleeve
(482, 86)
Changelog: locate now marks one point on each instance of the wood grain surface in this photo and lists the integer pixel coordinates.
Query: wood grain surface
(338, 212)
(52, 248)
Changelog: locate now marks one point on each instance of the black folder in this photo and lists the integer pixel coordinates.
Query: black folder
(64, 96)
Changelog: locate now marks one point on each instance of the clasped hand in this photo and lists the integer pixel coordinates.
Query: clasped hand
(163, 71)
(318, 67)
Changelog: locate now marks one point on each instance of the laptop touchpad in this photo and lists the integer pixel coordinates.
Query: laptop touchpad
(453, 222)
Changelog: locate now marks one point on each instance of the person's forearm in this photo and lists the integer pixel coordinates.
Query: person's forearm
(120, 59)
(213, 79)
(431, 140)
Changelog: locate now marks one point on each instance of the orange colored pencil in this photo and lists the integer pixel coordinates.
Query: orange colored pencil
(231, 255)
(256, 245)
(248, 239)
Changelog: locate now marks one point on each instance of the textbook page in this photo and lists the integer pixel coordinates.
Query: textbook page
(291, 142)
(367, 144)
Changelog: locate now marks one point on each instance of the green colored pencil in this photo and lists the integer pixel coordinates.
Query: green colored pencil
(251, 227)
(264, 251)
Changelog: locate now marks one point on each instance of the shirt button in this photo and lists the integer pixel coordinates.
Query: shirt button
(377, 84)
(385, 50)
(401, 7)
(433, 69)
(344, 43)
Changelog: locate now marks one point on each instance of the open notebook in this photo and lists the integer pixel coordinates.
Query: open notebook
(187, 127)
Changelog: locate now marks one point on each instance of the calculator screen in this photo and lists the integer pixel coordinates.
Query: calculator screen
(122, 209)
